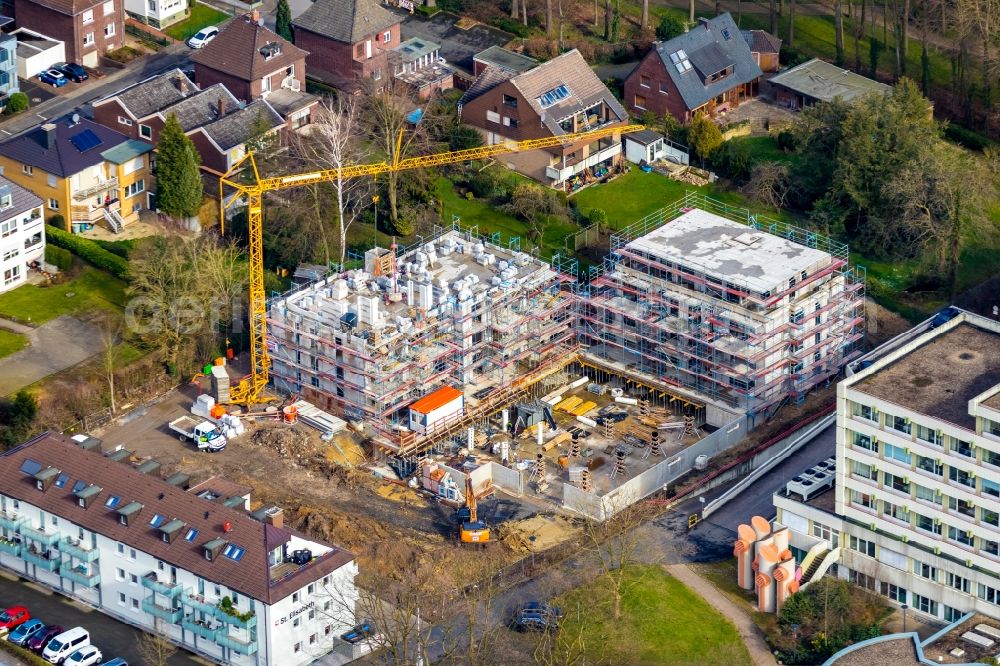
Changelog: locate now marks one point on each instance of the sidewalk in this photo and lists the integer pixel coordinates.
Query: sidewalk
(759, 652)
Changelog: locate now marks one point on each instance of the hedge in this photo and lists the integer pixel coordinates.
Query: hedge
(88, 250)
(26, 656)
(119, 247)
(58, 257)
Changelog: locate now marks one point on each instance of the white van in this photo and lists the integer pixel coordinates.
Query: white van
(66, 644)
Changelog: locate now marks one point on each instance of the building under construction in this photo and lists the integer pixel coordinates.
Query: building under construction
(739, 312)
(455, 311)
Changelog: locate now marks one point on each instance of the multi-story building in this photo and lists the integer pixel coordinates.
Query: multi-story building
(22, 234)
(157, 13)
(8, 67)
(88, 28)
(85, 172)
(193, 567)
(454, 311)
(742, 315)
(915, 513)
(558, 97)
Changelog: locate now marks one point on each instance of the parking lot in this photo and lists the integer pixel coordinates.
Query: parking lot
(112, 638)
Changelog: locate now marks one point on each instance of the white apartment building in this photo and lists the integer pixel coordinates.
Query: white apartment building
(157, 13)
(22, 234)
(197, 568)
(915, 513)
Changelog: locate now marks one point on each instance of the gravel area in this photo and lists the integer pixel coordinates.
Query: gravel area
(896, 652)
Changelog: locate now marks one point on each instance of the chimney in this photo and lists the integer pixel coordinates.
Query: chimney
(49, 140)
(703, 21)
(275, 517)
(222, 106)
(182, 82)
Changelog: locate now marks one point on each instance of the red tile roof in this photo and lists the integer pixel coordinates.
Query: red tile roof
(249, 576)
(238, 51)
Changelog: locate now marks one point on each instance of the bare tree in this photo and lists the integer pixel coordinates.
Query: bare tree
(644, 20)
(769, 183)
(838, 22)
(154, 649)
(614, 544)
(111, 329)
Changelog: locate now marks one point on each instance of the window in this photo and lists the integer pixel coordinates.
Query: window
(927, 494)
(312, 639)
(133, 579)
(131, 553)
(311, 589)
(961, 477)
(27, 169)
(952, 614)
(960, 583)
(962, 506)
(135, 188)
(510, 122)
(924, 570)
(863, 546)
(991, 457)
(639, 102)
(7, 228)
(135, 604)
(991, 488)
(145, 131)
(863, 471)
(863, 499)
(297, 622)
(88, 16)
(135, 165)
(109, 7)
(122, 120)
(927, 524)
(895, 511)
(896, 453)
(297, 648)
(109, 30)
(930, 465)
(989, 594)
(899, 423)
(895, 482)
(121, 599)
(925, 605)
(865, 442)
(827, 533)
(88, 39)
(864, 411)
(7, 256)
(961, 448)
(990, 547)
(386, 36)
(53, 204)
(894, 592)
(120, 547)
(509, 100)
(52, 180)
(960, 536)
(493, 116)
(152, 5)
(664, 87)
(11, 275)
(120, 574)
(989, 517)
(295, 597)
(643, 81)
(312, 614)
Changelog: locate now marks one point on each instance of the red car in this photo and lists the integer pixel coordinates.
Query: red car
(12, 617)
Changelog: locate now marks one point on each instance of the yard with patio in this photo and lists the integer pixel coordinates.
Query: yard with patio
(200, 17)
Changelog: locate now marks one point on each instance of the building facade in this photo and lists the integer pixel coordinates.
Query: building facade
(8, 67)
(205, 574)
(157, 13)
(88, 28)
(22, 234)
(915, 513)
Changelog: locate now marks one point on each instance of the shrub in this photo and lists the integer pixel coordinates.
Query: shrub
(119, 247)
(88, 250)
(512, 26)
(17, 103)
(786, 140)
(669, 27)
(597, 216)
(58, 257)
(733, 160)
(25, 656)
(424, 10)
(462, 137)
(57, 221)
(966, 137)
(487, 184)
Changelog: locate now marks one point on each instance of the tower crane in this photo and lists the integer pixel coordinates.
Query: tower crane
(250, 390)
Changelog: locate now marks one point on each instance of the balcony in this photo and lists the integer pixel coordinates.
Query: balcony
(12, 521)
(237, 645)
(10, 547)
(39, 535)
(74, 549)
(248, 623)
(91, 190)
(199, 628)
(88, 213)
(170, 590)
(199, 603)
(46, 563)
(171, 615)
(560, 174)
(79, 576)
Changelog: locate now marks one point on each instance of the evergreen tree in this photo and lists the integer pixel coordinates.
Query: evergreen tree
(178, 180)
(283, 20)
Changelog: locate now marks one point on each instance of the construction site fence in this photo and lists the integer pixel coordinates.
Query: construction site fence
(657, 477)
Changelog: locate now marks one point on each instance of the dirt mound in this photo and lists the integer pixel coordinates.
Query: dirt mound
(535, 534)
(286, 441)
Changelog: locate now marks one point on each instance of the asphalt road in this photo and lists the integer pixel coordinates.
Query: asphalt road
(112, 638)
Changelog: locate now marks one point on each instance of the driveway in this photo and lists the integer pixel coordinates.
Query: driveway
(112, 638)
(55, 345)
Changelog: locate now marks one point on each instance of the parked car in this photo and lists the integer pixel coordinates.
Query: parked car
(38, 642)
(13, 617)
(85, 656)
(537, 616)
(73, 71)
(65, 644)
(203, 37)
(23, 633)
(117, 661)
(358, 633)
(943, 317)
(53, 77)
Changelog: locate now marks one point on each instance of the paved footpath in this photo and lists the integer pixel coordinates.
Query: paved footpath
(759, 652)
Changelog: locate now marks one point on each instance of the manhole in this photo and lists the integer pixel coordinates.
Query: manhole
(922, 381)
(36, 100)
(966, 356)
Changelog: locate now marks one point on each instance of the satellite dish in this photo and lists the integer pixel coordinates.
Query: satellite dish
(75, 118)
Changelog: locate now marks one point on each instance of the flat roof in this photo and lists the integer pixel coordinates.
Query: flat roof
(993, 402)
(416, 47)
(821, 80)
(730, 250)
(942, 375)
(896, 651)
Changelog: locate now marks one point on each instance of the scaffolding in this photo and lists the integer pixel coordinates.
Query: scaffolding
(742, 346)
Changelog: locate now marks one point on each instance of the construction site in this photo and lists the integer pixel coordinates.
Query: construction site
(468, 353)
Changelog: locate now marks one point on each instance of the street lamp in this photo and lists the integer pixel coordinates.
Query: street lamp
(905, 608)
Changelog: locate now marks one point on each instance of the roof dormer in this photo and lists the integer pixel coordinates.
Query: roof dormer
(129, 513)
(46, 477)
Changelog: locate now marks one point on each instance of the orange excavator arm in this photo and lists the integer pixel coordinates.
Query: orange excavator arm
(470, 499)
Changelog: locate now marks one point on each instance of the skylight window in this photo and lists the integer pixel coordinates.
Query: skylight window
(190, 536)
(680, 60)
(157, 520)
(78, 486)
(61, 481)
(725, 34)
(233, 552)
(553, 96)
(30, 466)
(112, 501)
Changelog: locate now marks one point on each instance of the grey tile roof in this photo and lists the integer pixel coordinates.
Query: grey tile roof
(202, 107)
(761, 41)
(63, 159)
(149, 96)
(21, 200)
(821, 80)
(500, 57)
(488, 80)
(237, 128)
(237, 51)
(347, 21)
(707, 45)
(573, 72)
(645, 137)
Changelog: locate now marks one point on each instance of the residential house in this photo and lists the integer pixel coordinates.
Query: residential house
(253, 62)
(417, 63)
(820, 81)
(704, 71)
(222, 142)
(501, 58)
(348, 41)
(22, 234)
(765, 49)
(558, 97)
(157, 13)
(88, 28)
(8, 63)
(85, 172)
(233, 587)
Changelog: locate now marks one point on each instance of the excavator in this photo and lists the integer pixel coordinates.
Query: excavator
(472, 530)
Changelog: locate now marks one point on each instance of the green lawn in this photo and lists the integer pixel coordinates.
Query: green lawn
(90, 290)
(473, 212)
(201, 16)
(11, 342)
(662, 622)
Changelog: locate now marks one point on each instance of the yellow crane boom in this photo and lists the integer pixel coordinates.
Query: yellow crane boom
(250, 390)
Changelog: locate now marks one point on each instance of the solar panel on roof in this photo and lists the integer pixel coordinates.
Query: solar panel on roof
(85, 140)
(557, 94)
(30, 466)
